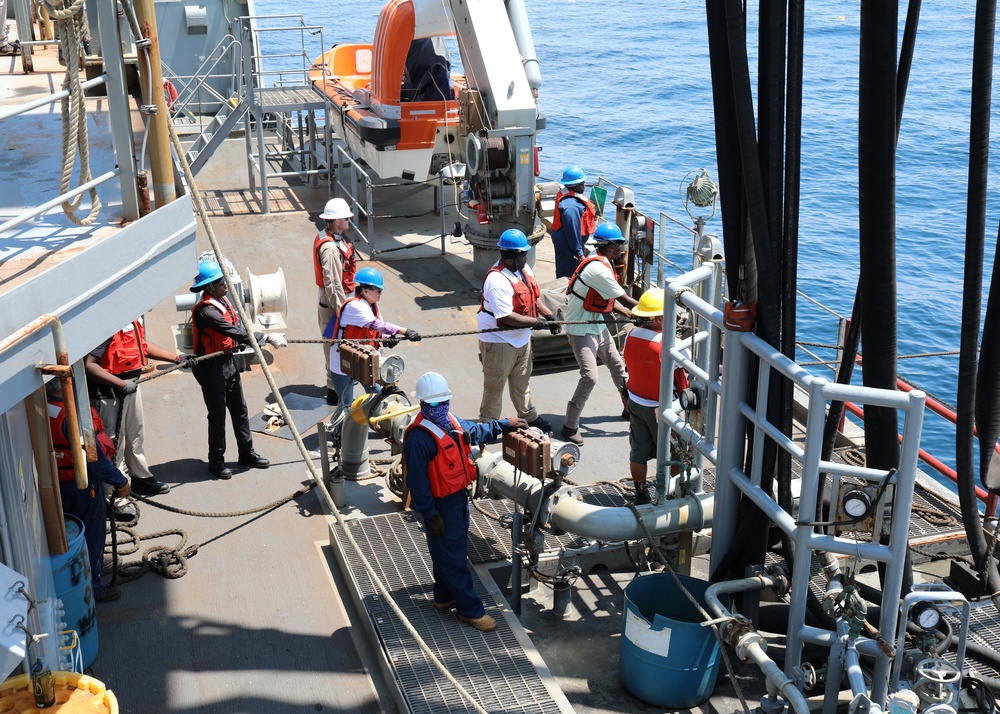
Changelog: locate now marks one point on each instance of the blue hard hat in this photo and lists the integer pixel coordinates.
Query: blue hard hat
(208, 272)
(608, 233)
(513, 239)
(369, 277)
(573, 175)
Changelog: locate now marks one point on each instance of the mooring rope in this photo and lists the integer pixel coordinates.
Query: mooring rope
(74, 111)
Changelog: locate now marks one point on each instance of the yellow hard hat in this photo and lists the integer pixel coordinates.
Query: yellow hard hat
(650, 304)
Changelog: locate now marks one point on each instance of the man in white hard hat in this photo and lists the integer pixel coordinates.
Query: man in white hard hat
(439, 467)
(334, 267)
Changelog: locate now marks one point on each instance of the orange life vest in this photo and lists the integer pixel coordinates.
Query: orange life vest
(127, 351)
(592, 301)
(209, 341)
(526, 292)
(60, 444)
(588, 221)
(349, 261)
(642, 359)
(356, 332)
(452, 468)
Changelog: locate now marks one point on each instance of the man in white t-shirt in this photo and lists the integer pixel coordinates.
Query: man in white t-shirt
(593, 292)
(510, 299)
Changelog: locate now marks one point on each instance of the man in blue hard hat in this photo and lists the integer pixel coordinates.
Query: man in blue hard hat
(594, 292)
(510, 299)
(574, 220)
(217, 328)
(437, 454)
(359, 318)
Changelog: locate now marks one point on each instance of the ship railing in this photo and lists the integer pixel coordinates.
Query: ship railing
(739, 472)
(934, 406)
(20, 109)
(357, 178)
(190, 100)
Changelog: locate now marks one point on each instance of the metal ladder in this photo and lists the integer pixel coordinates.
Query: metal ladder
(218, 129)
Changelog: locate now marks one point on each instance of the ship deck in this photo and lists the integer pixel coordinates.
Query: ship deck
(263, 619)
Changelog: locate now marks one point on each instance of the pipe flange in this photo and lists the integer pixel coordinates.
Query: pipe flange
(734, 629)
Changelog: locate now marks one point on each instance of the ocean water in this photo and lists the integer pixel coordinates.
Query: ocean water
(627, 95)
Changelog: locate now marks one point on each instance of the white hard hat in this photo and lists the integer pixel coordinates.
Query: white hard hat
(432, 387)
(336, 208)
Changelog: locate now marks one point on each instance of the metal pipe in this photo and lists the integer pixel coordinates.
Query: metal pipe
(728, 587)
(568, 512)
(854, 674)
(57, 201)
(66, 377)
(515, 561)
(160, 162)
(755, 652)
(354, 461)
(9, 112)
(518, 17)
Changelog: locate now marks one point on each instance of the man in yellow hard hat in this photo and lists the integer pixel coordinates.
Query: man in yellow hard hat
(642, 355)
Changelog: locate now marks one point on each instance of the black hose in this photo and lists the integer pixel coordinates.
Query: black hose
(726, 144)
(982, 73)
(877, 221)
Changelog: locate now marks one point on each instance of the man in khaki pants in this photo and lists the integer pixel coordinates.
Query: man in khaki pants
(510, 299)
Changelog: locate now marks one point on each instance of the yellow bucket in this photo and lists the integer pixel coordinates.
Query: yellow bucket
(74, 693)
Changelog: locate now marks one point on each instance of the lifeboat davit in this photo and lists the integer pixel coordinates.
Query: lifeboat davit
(395, 101)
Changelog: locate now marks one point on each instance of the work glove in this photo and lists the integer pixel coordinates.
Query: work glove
(540, 324)
(123, 491)
(390, 342)
(188, 361)
(413, 336)
(130, 386)
(554, 329)
(277, 339)
(435, 526)
(517, 423)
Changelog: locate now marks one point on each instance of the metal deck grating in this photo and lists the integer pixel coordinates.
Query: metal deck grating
(492, 666)
(288, 98)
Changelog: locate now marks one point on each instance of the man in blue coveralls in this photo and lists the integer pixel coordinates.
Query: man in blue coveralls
(438, 456)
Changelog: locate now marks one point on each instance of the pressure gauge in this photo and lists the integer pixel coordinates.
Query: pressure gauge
(857, 504)
(925, 616)
(689, 399)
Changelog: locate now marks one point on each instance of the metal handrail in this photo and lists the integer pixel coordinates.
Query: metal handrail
(38, 210)
(199, 80)
(49, 99)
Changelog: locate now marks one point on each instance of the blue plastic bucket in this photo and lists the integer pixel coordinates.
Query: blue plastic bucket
(667, 658)
(74, 586)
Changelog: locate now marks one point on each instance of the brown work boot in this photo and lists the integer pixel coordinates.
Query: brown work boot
(444, 606)
(483, 624)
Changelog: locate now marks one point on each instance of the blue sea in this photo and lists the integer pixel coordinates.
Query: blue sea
(627, 94)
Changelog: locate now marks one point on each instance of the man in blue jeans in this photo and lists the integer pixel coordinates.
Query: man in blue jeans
(438, 456)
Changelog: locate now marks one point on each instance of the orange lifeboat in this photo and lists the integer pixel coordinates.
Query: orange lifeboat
(394, 100)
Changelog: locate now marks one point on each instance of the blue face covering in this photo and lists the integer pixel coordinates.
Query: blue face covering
(437, 414)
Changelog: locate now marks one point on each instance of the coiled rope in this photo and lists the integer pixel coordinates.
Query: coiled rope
(70, 21)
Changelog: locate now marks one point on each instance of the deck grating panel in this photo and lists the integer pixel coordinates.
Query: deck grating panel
(492, 666)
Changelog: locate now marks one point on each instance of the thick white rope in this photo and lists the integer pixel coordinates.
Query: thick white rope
(74, 111)
(313, 470)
